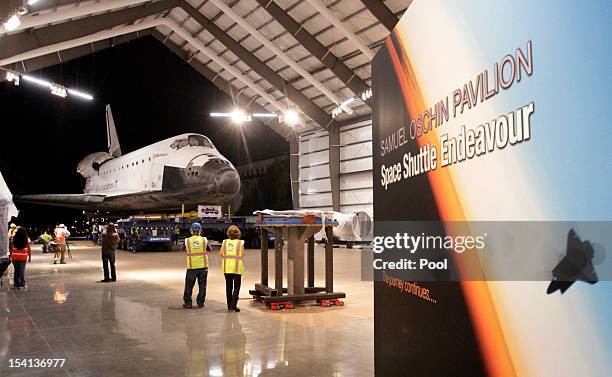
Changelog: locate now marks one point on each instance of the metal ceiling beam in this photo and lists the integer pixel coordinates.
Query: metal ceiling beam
(30, 21)
(316, 48)
(66, 55)
(308, 107)
(381, 12)
(172, 25)
(331, 17)
(16, 44)
(223, 85)
(320, 68)
(81, 41)
(19, 43)
(169, 23)
(253, 32)
(50, 4)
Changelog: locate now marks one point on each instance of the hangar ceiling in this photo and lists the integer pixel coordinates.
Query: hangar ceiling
(269, 55)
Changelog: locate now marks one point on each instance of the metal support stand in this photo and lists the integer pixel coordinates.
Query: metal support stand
(264, 257)
(296, 235)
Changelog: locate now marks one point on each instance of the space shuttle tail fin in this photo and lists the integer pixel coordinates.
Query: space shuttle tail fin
(111, 132)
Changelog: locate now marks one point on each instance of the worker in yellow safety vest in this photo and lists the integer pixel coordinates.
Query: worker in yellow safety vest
(197, 265)
(232, 252)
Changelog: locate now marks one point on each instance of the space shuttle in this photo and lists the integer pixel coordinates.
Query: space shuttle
(185, 169)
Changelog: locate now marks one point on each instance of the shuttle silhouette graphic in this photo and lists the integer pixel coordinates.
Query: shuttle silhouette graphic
(576, 265)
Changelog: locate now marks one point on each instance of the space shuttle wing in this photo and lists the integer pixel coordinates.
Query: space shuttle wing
(78, 201)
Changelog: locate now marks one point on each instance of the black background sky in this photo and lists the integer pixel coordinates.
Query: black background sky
(153, 95)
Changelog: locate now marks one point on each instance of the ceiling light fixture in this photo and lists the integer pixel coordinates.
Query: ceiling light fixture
(344, 106)
(12, 77)
(12, 22)
(238, 116)
(36, 81)
(366, 94)
(57, 89)
(290, 117)
(77, 93)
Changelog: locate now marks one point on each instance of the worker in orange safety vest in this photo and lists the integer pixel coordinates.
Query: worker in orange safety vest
(61, 235)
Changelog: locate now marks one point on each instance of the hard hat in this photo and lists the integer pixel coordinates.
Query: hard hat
(13, 226)
(62, 226)
(196, 227)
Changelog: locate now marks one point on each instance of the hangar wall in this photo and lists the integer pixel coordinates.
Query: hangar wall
(355, 169)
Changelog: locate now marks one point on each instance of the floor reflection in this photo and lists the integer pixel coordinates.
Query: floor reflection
(5, 335)
(136, 327)
(60, 295)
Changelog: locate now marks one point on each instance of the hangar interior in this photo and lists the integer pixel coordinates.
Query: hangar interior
(312, 57)
(270, 56)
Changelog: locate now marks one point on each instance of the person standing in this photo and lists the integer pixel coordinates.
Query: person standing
(94, 233)
(45, 238)
(232, 252)
(121, 233)
(197, 266)
(11, 233)
(21, 252)
(61, 235)
(109, 240)
(176, 235)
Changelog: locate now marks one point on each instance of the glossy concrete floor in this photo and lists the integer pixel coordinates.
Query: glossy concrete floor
(136, 327)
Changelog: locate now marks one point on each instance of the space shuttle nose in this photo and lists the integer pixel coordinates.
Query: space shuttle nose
(227, 182)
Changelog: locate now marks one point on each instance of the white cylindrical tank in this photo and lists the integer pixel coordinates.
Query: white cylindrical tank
(353, 226)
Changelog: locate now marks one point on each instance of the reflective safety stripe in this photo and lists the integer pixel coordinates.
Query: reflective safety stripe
(19, 254)
(60, 235)
(232, 253)
(195, 247)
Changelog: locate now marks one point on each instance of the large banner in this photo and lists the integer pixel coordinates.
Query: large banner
(491, 136)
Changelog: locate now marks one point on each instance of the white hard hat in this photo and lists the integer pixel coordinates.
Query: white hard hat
(62, 226)
(13, 226)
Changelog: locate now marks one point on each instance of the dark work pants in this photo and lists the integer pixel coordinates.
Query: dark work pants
(190, 278)
(19, 275)
(106, 260)
(232, 290)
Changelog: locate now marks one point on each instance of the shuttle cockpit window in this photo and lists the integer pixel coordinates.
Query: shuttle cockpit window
(192, 141)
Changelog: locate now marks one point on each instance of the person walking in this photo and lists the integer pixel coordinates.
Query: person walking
(61, 235)
(232, 252)
(197, 266)
(21, 252)
(109, 240)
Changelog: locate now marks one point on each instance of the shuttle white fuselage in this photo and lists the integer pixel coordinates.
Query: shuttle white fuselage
(185, 169)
